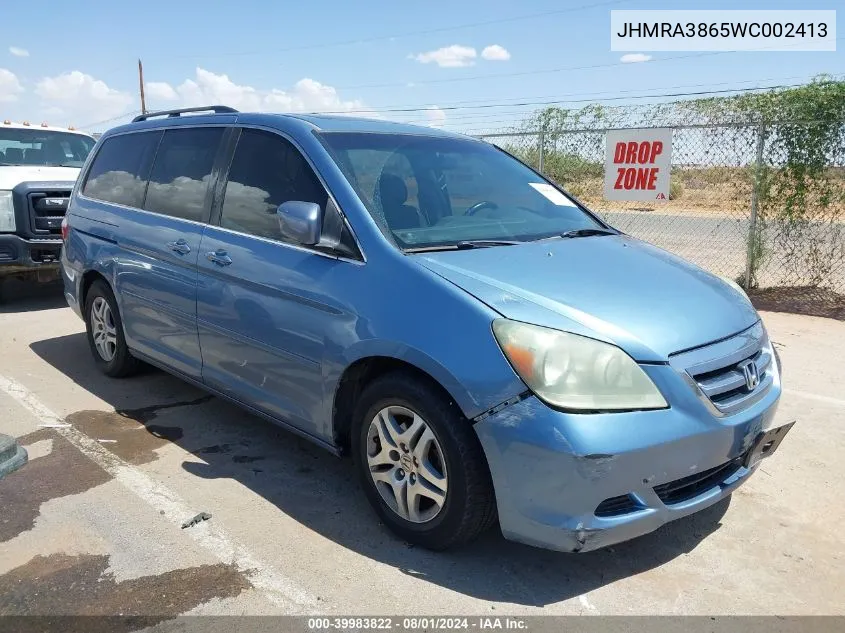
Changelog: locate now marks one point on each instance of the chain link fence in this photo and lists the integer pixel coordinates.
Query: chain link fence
(740, 204)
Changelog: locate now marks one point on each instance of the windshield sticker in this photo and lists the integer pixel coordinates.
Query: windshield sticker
(552, 194)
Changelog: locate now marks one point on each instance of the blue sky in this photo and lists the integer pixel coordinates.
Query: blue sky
(79, 66)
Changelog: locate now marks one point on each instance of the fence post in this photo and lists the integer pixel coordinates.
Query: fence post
(541, 138)
(751, 252)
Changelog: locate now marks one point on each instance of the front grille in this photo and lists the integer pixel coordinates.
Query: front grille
(690, 487)
(717, 370)
(726, 387)
(47, 210)
(615, 506)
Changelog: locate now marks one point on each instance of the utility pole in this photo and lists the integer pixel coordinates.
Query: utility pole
(141, 84)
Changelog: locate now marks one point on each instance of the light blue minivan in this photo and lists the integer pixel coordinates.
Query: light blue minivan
(486, 348)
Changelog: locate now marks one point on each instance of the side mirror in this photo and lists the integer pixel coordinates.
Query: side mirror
(300, 222)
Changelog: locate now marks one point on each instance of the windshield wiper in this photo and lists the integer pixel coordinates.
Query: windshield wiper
(460, 246)
(465, 244)
(586, 233)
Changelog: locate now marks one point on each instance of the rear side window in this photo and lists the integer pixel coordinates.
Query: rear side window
(121, 167)
(182, 171)
(266, 171)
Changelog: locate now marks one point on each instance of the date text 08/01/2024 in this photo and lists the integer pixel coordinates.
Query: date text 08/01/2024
(416, 623)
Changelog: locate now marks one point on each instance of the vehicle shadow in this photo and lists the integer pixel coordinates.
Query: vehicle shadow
(322, 493)
(23, 296)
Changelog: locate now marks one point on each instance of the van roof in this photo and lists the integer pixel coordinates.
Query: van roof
(321, 122)
(339, 123)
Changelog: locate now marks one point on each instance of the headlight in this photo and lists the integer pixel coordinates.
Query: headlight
(575, 372)
(735, 286)
(7, 212)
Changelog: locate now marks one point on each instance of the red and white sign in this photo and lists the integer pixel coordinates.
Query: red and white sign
(637, 164)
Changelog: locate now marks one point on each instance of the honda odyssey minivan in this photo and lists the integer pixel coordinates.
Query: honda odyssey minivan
(485, 347)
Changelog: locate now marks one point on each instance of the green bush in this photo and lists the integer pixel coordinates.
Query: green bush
(569, 169)
(676, 189)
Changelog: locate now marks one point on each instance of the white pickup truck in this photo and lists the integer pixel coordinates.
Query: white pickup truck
(38, 168)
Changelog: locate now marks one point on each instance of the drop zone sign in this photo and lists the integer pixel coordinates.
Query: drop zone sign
(637, 164)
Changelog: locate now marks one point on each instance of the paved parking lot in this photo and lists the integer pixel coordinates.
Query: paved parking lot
(92, 524)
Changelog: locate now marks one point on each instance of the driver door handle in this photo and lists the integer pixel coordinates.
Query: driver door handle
(179, 246)
(219, 257)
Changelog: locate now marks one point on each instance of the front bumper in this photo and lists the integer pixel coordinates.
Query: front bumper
(19, 255)
(552, 470)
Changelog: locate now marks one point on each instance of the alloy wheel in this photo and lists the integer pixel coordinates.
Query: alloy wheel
(406, 464)
(103, 329)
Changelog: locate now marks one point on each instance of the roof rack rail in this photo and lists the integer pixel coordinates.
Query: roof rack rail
(217, 109)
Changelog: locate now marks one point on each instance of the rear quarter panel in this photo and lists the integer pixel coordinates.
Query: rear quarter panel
(91, 246)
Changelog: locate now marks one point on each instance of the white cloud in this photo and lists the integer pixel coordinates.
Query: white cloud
(10, 87)
(634, 58)
(306, 95)
(454, 56)
(309, 95)
(18, 52)
(435, 117)
(495, 53)
(81, 98)
(159, 91)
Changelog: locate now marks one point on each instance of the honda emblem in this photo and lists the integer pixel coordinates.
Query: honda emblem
(749, 372)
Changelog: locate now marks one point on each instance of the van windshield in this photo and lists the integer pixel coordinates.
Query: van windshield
(428, 191)
(44, 148)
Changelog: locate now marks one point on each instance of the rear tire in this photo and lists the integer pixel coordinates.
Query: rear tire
(105, 332)
(431, 446)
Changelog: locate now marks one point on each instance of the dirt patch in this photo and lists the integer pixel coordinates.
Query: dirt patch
(147, 414)
(809, 301)
(79, 585)
(129, 439)
(128, 433)
(64, 471)
(220, 449)
(247, 459)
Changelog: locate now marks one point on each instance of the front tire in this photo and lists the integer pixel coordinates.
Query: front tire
(105, 332)
(421, 464)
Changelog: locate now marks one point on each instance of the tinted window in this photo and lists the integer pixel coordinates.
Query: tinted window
(266, 171)
(121, 168)
(182, 171)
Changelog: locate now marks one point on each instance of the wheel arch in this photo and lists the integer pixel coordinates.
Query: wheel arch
(365, 369)
(88, 278)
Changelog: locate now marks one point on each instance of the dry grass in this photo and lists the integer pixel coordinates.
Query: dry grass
(711, 191)
(807, 300)
(722, 191)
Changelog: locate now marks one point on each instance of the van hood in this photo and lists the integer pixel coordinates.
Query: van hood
(613, 288)
(13, 175)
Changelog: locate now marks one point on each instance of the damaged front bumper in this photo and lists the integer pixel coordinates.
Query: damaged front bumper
(579, 482)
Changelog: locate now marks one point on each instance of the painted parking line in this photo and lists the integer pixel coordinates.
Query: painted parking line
(279, 589)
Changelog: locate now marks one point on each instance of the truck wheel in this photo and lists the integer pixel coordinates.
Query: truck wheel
(421, 464)
(105, 333)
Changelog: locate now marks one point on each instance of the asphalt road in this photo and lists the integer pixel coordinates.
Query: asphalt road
(93, 523)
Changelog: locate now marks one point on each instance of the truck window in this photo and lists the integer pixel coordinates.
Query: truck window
(43, 148)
